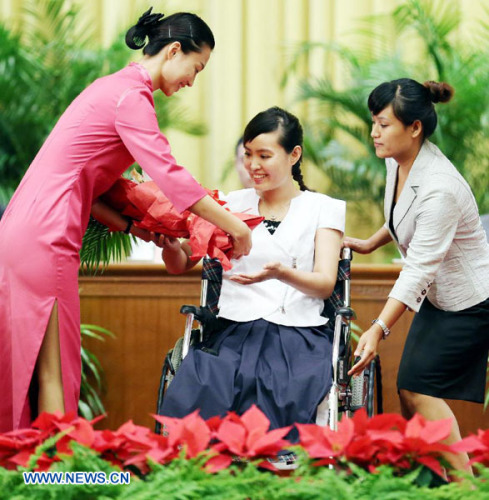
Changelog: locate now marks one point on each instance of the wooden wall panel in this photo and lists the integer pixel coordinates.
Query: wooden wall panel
(141, 303)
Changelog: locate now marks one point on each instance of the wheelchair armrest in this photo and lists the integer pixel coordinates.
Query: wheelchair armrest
(185, 309)
(346, 312)
(201, 314)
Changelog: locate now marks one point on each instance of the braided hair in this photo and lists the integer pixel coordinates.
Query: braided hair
(188, 29)
(291, 134)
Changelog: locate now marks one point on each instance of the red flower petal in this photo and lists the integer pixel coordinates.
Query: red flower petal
(270, 443)
(433, 464)
(47, 421)
(218, 463)
(255, 422)
(314, 441)
(233, 435)
(470, 444)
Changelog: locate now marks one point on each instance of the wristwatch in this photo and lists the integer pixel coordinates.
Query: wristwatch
(385, 329)
(128, 227)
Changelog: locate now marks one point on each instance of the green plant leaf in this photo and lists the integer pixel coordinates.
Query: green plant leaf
(89, 331)
(90, 403)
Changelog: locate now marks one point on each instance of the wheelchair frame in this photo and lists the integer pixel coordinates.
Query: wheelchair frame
(347, 394)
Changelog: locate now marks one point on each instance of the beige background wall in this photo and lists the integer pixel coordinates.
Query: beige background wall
(254, 41)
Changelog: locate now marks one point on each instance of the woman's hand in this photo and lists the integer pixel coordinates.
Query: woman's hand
(241, 238)
(366, 348)
(240, 233)
(273, 270)
(166, 242)
(160, 240)
(357, 245)
(380, 238)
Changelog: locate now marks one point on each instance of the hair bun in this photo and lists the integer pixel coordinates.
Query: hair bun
(439, 91)
(136, 36)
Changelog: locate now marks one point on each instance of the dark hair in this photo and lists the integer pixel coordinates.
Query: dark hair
(290, 134)
(411, 101)
(188, 29)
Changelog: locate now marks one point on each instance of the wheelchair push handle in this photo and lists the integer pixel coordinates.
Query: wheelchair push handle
(346, 253)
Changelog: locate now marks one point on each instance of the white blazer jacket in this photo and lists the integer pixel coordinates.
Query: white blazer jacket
(439, 233)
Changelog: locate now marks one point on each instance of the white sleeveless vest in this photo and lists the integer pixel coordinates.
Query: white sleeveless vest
(292, 244)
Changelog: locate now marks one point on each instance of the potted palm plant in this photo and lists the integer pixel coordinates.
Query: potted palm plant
(338, 142)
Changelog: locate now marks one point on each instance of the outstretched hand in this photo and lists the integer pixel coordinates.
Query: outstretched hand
(272, 270)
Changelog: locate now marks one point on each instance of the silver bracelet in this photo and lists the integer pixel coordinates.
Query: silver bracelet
(385, 329)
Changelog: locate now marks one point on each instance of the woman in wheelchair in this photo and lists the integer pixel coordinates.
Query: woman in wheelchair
(272, 347)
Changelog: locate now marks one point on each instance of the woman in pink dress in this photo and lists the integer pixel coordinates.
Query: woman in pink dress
(108, 126)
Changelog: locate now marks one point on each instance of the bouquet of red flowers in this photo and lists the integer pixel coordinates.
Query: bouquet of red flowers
(150, 209)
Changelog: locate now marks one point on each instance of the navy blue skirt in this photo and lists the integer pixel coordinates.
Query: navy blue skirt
(286, 371)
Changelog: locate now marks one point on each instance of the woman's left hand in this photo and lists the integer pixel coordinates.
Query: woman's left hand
(166, 242)
(272, 270)
(366, 349)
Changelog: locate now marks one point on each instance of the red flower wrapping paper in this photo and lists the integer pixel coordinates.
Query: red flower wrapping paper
(150, 209)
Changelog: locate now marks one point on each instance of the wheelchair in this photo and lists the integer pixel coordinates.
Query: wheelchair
(347, 394)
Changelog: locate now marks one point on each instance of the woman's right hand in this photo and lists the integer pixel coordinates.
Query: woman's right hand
(366, 349)
(240, 233)
(241, 239)
(380, 238)
(357, 245)
(166, 242)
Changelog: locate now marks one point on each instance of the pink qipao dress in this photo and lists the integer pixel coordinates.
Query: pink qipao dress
(107, 127)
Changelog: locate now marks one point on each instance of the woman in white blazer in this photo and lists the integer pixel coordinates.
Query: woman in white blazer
(432, 216)
(272, 346)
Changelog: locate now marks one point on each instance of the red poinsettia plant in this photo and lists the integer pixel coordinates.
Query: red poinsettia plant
(245, 437)
(386, 439)
(227, 439)
(369, 442)
(477, 445)
(17, 447)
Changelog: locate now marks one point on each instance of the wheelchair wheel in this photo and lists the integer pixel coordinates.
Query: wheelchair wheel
(366, 390)
(176, 360)
(374, 400)
(172, 362)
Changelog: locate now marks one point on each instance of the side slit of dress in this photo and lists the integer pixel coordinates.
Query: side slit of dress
(50, 343)
(49, 361)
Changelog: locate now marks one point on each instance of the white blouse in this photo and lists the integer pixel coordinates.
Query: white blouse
(292, 244)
